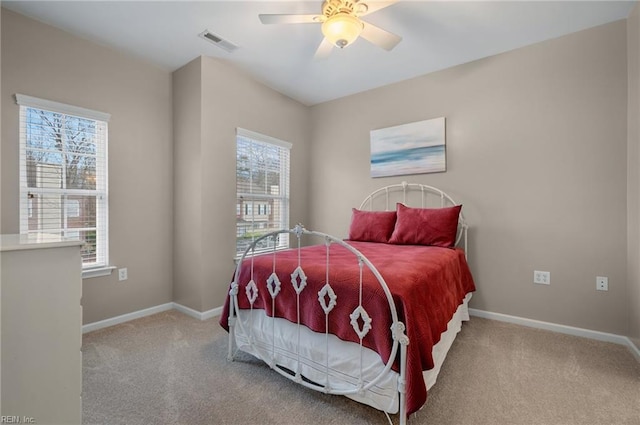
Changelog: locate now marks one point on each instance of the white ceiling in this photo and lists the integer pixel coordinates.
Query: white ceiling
(436, 35)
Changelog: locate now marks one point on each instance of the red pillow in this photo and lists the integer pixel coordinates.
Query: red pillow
(371, 226)
(426, 226)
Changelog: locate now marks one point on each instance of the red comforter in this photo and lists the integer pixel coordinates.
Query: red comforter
(427, 284)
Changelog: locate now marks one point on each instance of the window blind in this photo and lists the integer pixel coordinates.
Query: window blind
(63, 174)
(262, 189)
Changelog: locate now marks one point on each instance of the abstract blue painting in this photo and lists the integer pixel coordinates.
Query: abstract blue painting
(414, 148)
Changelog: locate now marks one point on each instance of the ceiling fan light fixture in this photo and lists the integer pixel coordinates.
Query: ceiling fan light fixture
(342, 29)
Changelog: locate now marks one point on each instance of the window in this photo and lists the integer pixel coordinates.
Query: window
(73, 208)
(262, 188)
(63, 175)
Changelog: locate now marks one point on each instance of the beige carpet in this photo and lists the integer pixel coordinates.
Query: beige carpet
(172, 369)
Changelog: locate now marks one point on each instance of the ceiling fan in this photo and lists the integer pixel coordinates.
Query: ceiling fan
(341, 24)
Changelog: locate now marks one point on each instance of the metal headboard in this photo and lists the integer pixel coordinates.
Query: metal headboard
(390, 195)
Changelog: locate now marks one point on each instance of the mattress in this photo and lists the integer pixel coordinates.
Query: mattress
(341, 369)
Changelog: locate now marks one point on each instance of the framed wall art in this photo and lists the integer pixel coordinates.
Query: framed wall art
(414, 148)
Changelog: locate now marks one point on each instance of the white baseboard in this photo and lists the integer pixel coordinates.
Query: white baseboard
(569, 330)
(89, 327)
(197, 314)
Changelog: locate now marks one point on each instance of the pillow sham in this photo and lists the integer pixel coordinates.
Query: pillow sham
(426, 226)
(371, 226)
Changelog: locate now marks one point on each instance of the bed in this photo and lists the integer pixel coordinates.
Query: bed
(371, 317)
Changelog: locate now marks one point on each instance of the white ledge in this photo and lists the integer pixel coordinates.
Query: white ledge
(97, 272)
(237, 258)
(18, 242)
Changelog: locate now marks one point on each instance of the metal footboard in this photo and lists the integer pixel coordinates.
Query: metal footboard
(359, 319)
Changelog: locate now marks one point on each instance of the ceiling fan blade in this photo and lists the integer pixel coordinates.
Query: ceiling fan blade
(374, 6)
(324, 50)
(379, 37)
(290, 19)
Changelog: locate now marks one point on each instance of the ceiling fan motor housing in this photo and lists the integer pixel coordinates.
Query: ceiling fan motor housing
(331, 7)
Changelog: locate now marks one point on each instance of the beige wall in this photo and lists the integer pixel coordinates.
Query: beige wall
(536, 152)
(188, 281)
(633, 182)
(41, 61)
(228, 99)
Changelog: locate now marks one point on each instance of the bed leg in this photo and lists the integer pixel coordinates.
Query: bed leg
(402, 384)
(231, 338)
(232, 320)
(398, 329)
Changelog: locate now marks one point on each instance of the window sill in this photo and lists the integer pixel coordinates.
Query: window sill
(236, 260)
(97, 272)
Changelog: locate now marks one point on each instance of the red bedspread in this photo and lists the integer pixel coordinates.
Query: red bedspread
(427, 284)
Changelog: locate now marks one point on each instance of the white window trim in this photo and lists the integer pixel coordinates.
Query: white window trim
(50, 105)
(263, 138)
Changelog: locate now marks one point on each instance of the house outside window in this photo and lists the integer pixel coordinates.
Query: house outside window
(262, 189)
(63, 175)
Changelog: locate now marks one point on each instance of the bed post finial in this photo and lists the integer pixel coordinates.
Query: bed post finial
(405, 185)
(298, 230)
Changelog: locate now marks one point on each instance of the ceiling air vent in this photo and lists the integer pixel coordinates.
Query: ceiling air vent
(218, 41)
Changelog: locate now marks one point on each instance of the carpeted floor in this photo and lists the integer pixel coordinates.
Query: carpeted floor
(171, 369)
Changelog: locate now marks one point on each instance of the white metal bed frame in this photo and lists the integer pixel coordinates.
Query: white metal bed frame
(327, 300)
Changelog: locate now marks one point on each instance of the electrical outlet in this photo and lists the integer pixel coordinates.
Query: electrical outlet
(542, 278)
(602, 283)
(122, 274)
